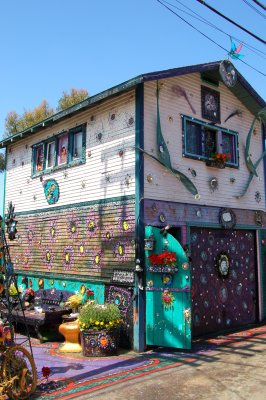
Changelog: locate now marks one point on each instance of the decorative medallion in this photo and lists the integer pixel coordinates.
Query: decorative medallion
(162, 217)
(167, 279)
(227, 218)
(82, 289)
(213, 184)
(228, 73)
(51, 191)
(41, 283)
(223, 264)
(167, 299)
(258, 197)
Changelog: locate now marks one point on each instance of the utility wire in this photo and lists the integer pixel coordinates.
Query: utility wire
(260, 4)
(230, 20)
(203, 34)
(255, 9)
(201, 19)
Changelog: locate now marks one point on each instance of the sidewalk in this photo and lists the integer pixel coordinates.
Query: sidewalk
(225, 367)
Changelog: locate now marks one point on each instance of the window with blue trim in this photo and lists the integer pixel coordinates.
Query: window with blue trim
(63, 150)
(202, 141)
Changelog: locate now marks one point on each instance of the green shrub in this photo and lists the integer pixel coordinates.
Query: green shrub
(99, 316)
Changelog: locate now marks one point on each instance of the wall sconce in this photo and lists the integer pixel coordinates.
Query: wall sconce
(149, 243)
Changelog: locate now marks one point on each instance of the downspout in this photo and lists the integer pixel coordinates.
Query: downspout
(4, 194)
(139, 294)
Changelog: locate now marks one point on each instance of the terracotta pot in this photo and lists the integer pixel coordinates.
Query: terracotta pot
(99, 343)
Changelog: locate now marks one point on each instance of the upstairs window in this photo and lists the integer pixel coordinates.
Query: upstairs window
(65, 149)
(202, 141)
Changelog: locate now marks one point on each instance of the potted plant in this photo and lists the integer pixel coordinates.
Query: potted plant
(99, 328)
(218, 160)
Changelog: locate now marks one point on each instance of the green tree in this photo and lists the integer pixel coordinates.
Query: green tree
(15, 123)
(69, 99)
(2, 162)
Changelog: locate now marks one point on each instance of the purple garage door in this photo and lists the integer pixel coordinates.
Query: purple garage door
(222, 301)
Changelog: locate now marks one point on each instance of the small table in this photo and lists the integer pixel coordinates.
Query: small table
(71, 332)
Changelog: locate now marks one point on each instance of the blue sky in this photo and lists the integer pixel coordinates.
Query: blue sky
(48, 46)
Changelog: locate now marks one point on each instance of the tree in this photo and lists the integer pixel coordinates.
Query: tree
(2, 162)
(15, 123)
(75, 96)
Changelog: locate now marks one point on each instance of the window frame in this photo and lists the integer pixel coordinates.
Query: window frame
(71, 160)
(214, 127)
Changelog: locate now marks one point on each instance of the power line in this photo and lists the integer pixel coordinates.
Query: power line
(230, 20)
(203, 34)
(260, 4)
(201, 19)
(255, 9)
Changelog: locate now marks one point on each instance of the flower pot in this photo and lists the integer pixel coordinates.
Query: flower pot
(99, 343)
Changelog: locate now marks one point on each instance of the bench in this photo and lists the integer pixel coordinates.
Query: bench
(46, 321)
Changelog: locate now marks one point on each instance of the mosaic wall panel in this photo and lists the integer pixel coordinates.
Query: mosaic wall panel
(89, 240)
(222, 302)
(123, 297)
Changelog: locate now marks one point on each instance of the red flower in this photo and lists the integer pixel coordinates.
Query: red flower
(166, 258)
(46, 372)
(90, 292)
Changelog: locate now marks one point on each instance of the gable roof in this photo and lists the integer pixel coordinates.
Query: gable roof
(242, 90)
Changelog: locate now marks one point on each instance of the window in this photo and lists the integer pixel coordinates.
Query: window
(65, 149)
(62, 153)
(50, 158)
(39, 158)
(202, 141)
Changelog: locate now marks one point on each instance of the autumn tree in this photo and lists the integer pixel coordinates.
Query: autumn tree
(2, 162)
(15, 123)
(69, 99)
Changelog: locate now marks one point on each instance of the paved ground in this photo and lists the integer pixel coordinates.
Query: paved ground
(234, 370)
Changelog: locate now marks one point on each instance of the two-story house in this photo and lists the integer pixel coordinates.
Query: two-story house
(152, 194)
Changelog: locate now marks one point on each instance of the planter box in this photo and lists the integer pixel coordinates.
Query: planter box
(215, 163)
(99, 343)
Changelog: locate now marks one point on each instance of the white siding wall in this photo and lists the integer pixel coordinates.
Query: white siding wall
(164, 185)
(104, 174)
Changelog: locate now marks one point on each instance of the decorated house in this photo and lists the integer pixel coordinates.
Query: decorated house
(151, 195)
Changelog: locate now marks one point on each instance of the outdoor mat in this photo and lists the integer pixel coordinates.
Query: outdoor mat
(73, 375)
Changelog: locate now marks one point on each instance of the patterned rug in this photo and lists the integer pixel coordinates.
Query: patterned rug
(73, 375)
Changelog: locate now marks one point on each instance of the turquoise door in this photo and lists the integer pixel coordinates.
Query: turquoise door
(168, 301)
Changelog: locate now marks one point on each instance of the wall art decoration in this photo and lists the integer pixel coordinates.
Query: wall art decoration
(73, 226)
(258, 196)
(213, 184)
(223, 264)
(210, 104)
(51, 191)
(168, 300)
(48, 257)
(67, 257)
(227, 218)
(180, 92)
(167, 279)
(258, 218)
(121, 297)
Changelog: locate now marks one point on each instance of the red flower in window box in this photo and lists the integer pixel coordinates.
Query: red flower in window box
(166, 258)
